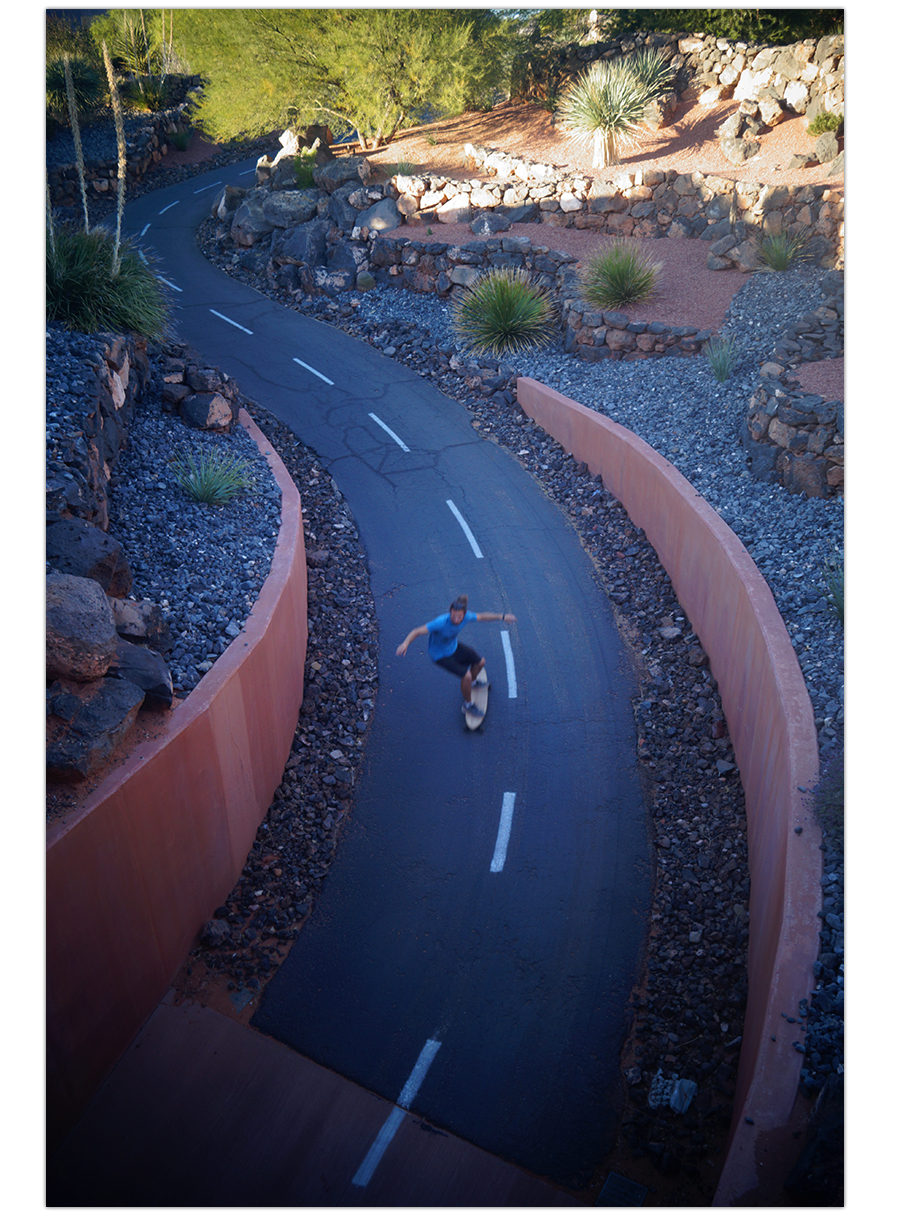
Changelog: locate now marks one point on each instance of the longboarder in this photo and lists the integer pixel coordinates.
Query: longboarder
(449, 652)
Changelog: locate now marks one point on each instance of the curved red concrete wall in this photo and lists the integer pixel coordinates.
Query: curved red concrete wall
(770, 719)
(132, 879)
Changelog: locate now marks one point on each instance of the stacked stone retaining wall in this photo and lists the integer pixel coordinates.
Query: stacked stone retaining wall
(791, 436)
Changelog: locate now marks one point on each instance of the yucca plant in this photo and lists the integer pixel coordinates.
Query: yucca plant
(619, 276)
(505, 311)
(83, 294)
(719, 351)
(120, 141)
(212, 476)
(777, 251)
(81, 76)
(606, 104)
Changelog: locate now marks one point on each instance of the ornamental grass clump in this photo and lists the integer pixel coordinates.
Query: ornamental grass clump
(719, 351)
(619, 276)
(605, 106)
(505, 311)
(83, 293)
(212, 476)
(833, 586)
(778, 251)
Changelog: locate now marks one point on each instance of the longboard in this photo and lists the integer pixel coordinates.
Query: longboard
(480, 699)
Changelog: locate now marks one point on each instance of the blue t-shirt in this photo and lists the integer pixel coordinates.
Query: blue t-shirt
(442, 634)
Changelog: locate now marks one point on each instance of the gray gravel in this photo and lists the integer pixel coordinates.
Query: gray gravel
(204, 566)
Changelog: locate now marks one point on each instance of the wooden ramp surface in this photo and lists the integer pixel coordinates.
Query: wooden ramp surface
(204, 1112)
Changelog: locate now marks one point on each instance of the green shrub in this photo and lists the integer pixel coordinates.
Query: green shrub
(403, 169)
(83, 293)
(304, 164)
(181, 139)
(825, 121)
(719, 351)
(619, 276)
(89, 87)
(147, 93)
(212, 476)
(777, 251)
(506, 311)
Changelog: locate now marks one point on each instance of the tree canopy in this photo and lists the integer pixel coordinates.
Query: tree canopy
(366, 70)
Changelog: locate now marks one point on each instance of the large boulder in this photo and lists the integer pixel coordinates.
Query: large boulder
(341, 171)
(380, 216)
(141, 622)
(85, 724)
(287, 209)
(227, 202)
(81, 549)
(304, 245)
(341, 210)
(249, 224)
(81, 634)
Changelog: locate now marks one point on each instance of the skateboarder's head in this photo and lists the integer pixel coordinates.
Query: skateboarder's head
(458, 608)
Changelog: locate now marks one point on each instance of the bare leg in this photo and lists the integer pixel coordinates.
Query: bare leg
(469, 677)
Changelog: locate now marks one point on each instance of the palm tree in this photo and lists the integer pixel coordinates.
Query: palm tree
(606, 104)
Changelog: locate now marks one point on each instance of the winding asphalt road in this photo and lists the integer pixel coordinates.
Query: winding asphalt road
(476, 940)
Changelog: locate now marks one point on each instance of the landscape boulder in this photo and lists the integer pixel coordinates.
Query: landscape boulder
(249, 224)
(209, 411)
(305, 245)
(80, 549)
(287, 209)
(380, 216)
(86, 723)
(81, 634)
(141, 622)
(145, 669)
(341, 171)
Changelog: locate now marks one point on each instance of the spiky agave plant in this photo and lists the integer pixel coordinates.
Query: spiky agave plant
(605, 105)
(505, 311)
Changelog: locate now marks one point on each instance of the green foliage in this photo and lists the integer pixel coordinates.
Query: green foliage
(606, 104)
(825, 121)
(141, 42)
(778, 251)
(366, 70)
(778, 26)
(506, 311)
(70, 38)
(719, 351)
(212, 476)
(148, 93)
(619, 276)
(304, 164)
(87, 81)
(833, 586)
(182, 138)
(83, 294)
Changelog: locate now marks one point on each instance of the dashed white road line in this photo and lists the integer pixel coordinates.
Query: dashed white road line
(465, 528)
(510, 665)
(506, 817)
(208, 188)
(370, 1162)
(393, 435)
(169, 205)
(309, 368)
(231, 322)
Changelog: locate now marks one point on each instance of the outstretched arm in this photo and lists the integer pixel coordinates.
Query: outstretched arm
(413, 635)
(495, 618)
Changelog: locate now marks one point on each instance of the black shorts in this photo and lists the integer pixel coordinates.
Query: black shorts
(461, 661)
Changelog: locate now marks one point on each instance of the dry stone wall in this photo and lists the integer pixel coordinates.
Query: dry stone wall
(793, 437)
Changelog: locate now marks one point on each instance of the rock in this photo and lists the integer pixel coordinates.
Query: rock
(341, 210)
(343, 170)
(827, 147)
(304, 245)
(141, 622)
(146, 669)
(80, 549)
(487, 223)
(81, 634)
(208, 411)
(287, 209)
(385, 214)
(249, 223)
(228, 202)
(86, 723)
